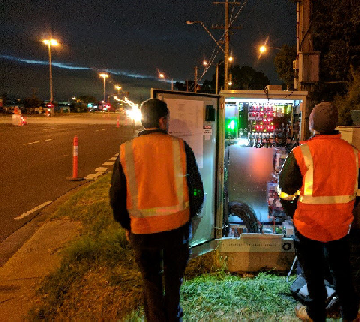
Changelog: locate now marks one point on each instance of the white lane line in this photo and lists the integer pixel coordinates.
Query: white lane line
(108, 163)
(113, 158)
(34, 142)
(97, 130)
(47, 140)
(94, 176)
(90, 177)
(101, 169)
(116, 154)
(102, 129)
(25, 214)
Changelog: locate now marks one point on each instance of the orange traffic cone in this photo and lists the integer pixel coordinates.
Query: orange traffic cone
(75, 161)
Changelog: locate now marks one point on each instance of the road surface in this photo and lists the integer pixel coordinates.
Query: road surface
(36, 161)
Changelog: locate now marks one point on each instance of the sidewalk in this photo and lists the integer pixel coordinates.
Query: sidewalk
(37, 257)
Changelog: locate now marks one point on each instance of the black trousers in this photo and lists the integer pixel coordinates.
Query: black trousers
(311, 255)
(162, 264)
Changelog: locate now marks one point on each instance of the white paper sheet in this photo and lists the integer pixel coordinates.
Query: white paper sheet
(186, 122)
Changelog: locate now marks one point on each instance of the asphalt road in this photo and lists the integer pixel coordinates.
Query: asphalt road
(36, 161)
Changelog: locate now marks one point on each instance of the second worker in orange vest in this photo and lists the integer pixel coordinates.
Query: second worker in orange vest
(155, 190)
(325, 172)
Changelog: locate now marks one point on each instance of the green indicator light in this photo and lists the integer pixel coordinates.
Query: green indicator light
(231, 125)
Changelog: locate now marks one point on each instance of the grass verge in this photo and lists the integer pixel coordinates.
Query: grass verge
(99, 280)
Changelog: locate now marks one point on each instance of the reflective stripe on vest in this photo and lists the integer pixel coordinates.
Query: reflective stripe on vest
(179, 185)
(307, 197)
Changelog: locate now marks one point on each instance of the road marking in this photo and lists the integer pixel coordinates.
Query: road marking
(97, 130)
(102, 129)
(25, 214)
(34, 142)
(101, 169)
(47, 140)
(90, 176)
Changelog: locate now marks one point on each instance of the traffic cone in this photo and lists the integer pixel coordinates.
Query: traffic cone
(75, 161)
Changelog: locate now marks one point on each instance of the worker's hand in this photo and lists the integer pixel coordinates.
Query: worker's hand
(128, 236)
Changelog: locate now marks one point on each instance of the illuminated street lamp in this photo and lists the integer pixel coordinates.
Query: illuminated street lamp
(118, 88)
(263, 49)
(162, 75)
(104, 76)
(49, 43)
(230, 82)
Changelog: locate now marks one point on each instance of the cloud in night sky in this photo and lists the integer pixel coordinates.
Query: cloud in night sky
(130, 39)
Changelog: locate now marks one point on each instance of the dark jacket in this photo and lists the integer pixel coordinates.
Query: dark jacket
(290, 181)
(118, 187)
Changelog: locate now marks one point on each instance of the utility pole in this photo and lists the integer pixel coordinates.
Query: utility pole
(226, 39)
(195, 79)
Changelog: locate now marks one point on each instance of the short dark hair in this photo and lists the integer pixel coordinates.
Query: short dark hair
(152, 110)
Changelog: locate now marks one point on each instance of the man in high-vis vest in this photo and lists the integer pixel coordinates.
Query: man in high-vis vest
(322, 175)
(156, 189)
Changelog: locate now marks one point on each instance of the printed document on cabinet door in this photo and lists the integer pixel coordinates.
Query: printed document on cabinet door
(186, 122)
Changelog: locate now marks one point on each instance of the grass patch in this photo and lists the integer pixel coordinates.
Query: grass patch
(100, 260)
(234, 298)
(99, 280)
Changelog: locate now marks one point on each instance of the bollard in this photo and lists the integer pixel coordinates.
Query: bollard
(118, 122)
(75, 160)
(75, 157)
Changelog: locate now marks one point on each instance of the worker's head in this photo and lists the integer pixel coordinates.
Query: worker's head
(323, 118)
(155, 114)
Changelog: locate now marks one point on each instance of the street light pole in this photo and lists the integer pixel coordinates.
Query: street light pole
(162, 75)
(104, 90)
(49, 43)
(104, 76)
(195, 79)
(51, 83)
(118, 88)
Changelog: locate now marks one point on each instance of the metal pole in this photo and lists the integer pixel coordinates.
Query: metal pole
(217, 79)
(172, 84)
(195, 79)
(104, 90)
(51, 86)
(226, 44)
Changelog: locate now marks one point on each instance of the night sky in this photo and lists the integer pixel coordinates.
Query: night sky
(132, 40)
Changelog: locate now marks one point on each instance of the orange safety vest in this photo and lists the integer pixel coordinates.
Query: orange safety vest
(330, 167)
(157, 193)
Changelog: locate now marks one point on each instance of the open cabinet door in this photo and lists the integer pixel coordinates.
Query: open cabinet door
(199, 120)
